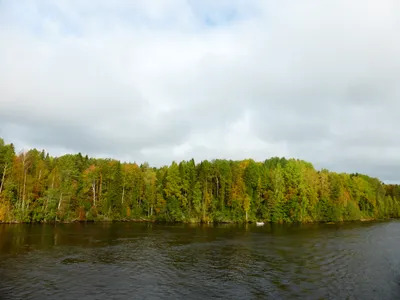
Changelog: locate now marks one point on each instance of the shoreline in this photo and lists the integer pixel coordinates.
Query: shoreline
(199, 222)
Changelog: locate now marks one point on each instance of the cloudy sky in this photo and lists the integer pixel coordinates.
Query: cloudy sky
(169, 80)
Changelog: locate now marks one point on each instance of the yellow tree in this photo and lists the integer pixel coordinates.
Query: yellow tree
(90, 176)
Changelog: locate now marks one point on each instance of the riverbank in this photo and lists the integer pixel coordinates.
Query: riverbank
(194, 222)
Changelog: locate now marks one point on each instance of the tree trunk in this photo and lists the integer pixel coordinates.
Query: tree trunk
(21, 190)
(3, 177)
(94, 192)
(217, 186)
(123, 194)
(23, 193)
(204, 204)
(100, 187)
(59, 204)
(45, 205)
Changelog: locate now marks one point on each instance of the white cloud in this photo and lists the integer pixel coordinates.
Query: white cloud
(170, 80)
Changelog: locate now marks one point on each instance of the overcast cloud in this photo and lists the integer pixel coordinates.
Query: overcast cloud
(170, 80)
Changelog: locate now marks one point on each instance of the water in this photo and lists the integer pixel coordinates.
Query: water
(154, 261)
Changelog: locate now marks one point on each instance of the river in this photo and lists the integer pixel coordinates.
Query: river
(159, 261)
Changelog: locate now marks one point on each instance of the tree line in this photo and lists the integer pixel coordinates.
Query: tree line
(36, 187)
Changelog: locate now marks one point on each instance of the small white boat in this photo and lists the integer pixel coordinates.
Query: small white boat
(260, 223)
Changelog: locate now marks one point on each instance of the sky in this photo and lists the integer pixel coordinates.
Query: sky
(159, 80)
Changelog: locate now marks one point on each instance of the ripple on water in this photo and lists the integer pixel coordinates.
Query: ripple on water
(177, 263)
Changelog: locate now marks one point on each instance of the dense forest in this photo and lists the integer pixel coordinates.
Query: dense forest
(35, 187)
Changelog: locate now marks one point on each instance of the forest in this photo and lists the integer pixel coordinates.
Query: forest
(36, 187)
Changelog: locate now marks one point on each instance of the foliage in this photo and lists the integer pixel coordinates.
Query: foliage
(35, 187)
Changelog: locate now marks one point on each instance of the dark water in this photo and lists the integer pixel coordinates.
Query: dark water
(152, 261)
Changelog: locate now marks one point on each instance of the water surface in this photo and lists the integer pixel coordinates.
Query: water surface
(154, 261)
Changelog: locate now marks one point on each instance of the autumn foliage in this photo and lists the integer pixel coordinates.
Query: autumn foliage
(35, 187)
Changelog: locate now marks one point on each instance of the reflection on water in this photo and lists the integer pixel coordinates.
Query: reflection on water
(155, 261)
